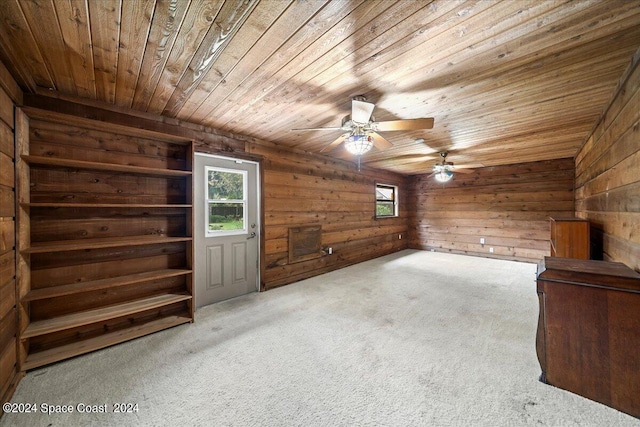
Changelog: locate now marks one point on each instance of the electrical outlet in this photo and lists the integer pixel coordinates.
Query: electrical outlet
(482, 240)
(399, 236)
(330, 251)
(491, 250)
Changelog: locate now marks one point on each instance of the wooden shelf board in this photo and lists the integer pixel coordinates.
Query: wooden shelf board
(112, 167)
(56, 354)
(106, 242)
(103, 205)
(56, 324)
(94, 285)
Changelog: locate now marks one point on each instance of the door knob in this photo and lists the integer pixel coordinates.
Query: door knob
(252, 235)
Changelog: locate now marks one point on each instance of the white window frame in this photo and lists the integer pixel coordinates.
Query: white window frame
(395, 200)
(208, 201)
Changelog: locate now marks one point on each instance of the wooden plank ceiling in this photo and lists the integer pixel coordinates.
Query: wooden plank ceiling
(506, 81)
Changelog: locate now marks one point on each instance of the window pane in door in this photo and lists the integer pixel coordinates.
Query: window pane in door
(226, 216)
(225, 185)
(226, 201)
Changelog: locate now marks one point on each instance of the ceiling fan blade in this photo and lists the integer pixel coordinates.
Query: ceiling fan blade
(380, 142)
(306, 129)
(456, 170)
(335, 143)
(411, 158)
(409, 124)
(361, 111)
(466, 168)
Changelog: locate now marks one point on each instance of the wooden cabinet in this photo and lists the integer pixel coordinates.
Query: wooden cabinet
(107, 219)
(570, 238)
(588, 339)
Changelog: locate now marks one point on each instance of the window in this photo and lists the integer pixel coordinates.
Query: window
(386, 200)
(226, 201)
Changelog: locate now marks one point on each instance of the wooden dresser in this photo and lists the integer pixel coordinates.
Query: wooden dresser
(570, 238)
(588, 339)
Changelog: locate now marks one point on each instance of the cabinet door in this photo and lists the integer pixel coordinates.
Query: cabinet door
(570, 239)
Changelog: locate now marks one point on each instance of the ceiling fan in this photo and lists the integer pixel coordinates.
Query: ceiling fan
(443, 172)
(361, 129)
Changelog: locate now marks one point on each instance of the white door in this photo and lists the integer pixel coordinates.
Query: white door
(226, 228)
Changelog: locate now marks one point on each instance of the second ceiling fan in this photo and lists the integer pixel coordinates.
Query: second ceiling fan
(443, 172)
(361, 129)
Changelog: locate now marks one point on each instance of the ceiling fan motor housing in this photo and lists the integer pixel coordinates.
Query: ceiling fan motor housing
(348, 124)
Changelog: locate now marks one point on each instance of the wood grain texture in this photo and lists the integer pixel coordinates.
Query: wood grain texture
(230, 18)
(124, 231)
(135, 26)
(165, 24)
(9, 85)
(61, 110)
(6, 109)
(507, 82)
(22, 54)
(69, 321)
(588, 330)
(570, 238)
(9, 369)
(105, 39)
(7, 234)
(55, 270)
(268, 28)
(144, 326)
(23, 231)
(508, 206)
(303, 189)
(43, 25)
(99, 284)
(197, 23)
(73, 16)
(608, 175)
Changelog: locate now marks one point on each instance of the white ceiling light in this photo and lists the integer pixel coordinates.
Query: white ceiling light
(444, 175)
(358, 144)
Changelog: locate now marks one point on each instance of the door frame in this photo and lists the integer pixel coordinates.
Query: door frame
(257, 160)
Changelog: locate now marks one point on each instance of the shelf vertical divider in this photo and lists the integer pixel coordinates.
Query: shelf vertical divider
(189, 196)
(23, 241)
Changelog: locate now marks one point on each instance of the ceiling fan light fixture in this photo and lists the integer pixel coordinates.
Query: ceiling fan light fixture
(443, 175)
(359, 143)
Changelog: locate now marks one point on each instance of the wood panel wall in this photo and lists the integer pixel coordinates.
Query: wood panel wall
(299, 189)
(508, 206)
(9, 369)
(307, 189)
(608, 175)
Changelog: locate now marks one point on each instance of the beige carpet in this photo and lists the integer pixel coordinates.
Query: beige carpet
(411, 339)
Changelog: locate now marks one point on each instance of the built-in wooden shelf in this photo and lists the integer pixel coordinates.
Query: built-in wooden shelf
(56, 354)
(111, 167)
(104, 205)
(56, 324)
(108, 283)
(106, 242)
(144, 278)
